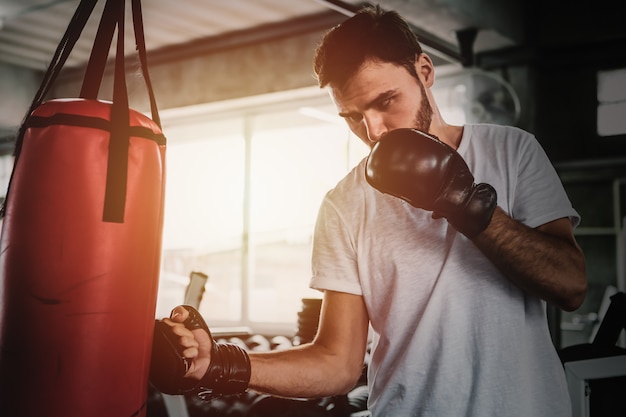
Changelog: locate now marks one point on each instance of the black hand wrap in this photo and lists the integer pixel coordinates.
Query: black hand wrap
(228, 372)
(430, 175)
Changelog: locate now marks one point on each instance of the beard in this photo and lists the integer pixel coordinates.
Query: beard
(424, 115)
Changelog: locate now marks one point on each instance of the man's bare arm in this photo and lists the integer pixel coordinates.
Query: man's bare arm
(545, 261)
(330, 365)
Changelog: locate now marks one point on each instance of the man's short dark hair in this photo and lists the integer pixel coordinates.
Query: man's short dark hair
(370, 34)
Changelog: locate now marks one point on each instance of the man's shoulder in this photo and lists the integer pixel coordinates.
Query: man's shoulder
(497, 131)
(352, 191)
(352, 181)
(490, 138)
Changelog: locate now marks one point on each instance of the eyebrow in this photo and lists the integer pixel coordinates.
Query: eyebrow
(381, 97)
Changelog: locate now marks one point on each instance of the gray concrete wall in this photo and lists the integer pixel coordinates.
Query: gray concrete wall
(253, 69)
(18, 87)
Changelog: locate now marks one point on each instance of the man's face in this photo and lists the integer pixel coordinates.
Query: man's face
(380, 97)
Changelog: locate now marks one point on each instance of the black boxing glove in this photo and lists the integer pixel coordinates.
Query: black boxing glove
(228, 372)
(430, 175)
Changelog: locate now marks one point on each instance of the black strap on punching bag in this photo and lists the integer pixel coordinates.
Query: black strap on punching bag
(69, 39)
(119, 140)
(117, 165)
(97, 61)
(112, 17)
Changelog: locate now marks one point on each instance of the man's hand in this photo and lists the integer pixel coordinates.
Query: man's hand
(186, 358)
(196, 344)
(430, 175)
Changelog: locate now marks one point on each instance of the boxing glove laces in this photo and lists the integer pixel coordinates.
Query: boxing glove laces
(430, 175)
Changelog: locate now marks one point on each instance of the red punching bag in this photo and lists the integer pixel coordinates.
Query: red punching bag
(80, 245)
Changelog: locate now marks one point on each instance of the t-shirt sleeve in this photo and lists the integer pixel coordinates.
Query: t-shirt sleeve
(540, 196)
(334, 260)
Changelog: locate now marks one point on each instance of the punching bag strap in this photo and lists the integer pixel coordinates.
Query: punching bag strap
(69, 39)
(140, 43)
(99, 54)
(94, 71)
(112, 17)
(117, 163)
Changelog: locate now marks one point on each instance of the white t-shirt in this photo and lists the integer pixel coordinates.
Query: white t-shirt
(452, 335)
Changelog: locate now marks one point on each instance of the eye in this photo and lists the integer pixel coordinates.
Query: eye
(384, 103)
(352, 117)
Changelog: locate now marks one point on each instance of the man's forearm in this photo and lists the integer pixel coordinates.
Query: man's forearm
(545, 262)
(303, 372)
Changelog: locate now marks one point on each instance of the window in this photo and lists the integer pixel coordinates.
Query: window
(611, 102)
(244, 182)
(601, 237)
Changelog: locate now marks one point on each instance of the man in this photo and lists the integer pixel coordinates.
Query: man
(457, 307)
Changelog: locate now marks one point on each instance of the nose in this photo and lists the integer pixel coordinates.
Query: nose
(375, 126)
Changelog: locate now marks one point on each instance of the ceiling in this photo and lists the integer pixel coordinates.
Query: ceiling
(31, 29)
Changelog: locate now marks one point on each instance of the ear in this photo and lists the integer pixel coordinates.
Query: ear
(425, 69)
